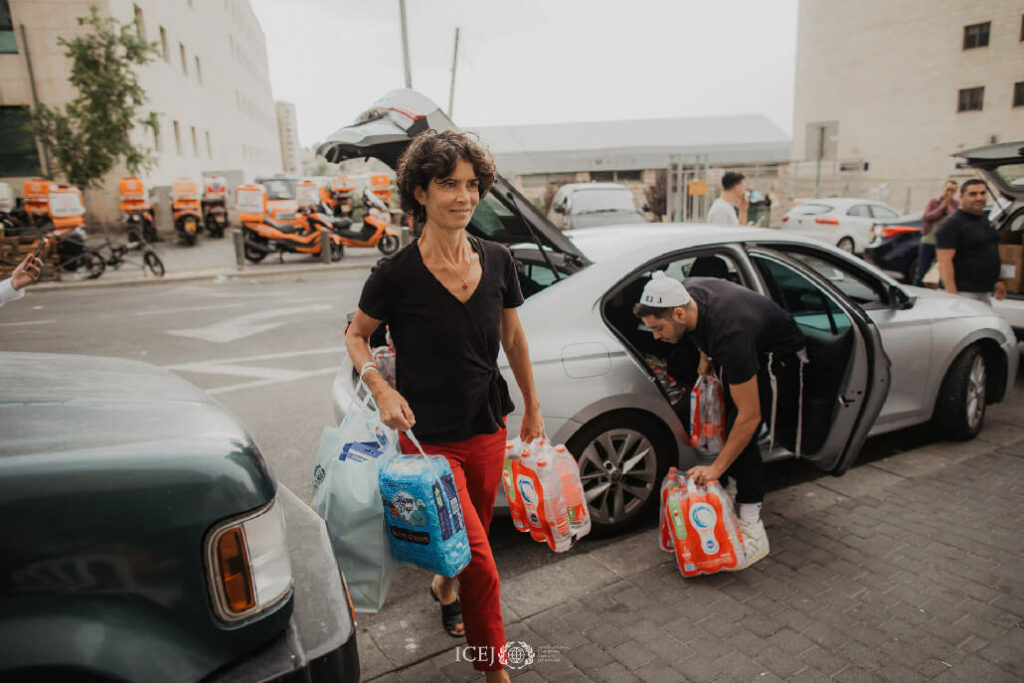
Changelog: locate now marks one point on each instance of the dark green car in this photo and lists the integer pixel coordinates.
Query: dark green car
(143, 537)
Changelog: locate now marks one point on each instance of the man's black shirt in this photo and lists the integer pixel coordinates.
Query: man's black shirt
(737, 327)
(976, 263)
(446, 351)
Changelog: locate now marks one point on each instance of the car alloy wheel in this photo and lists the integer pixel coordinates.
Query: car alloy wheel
(960, 407)
(975, 403)
(622, 460)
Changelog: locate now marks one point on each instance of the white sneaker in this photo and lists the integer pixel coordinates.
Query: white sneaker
(755, 541)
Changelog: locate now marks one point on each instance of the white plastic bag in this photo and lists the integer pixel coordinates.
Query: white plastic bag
(347, 496)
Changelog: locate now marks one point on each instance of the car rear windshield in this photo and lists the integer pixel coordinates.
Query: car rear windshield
(1012, 174)
(594, 201)
(811, 209)
(279, 188)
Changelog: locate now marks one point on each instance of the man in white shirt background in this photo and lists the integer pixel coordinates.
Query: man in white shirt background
(25, 274)
(734, 196)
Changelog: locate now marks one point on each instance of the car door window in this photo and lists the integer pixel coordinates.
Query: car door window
(847, 278)
(802, 299)
(883, 212)
(859, 210)
(493, 220)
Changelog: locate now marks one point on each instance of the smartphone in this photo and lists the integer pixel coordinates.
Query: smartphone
(40, 248)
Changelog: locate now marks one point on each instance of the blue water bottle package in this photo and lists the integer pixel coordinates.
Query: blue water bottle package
(423, 514)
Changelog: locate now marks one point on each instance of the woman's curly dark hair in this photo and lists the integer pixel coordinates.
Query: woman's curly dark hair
(434, 154)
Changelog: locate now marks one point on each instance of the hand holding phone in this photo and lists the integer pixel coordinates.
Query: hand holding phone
(40, 247)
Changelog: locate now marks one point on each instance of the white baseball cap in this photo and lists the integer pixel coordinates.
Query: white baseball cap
(664, 292)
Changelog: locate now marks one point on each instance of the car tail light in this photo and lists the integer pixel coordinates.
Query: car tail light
(893, 230)
(826, 220)
(785, 218)
(248, 566)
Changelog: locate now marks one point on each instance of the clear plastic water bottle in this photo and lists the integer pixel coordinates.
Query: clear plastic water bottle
(529, 491)
(559, 536)
(572, 491)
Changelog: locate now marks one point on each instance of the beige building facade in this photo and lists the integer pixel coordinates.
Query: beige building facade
(886, 92)
(288, 134)
(209, 85)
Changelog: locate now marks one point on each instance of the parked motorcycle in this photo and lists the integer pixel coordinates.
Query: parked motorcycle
(262, 235)
(136, 211)
(339, 198)
(376, 228)
(187, 211)
(65, 218)
(34, 210)
(215, 205)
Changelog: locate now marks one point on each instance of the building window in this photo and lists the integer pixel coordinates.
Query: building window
(195, 142)
(1022, 28)
(177, 137)
(209, 147)
(8, 43)
(199, 71)
(1018, 94)
(184, 61)
(163, 45)
(976, 35)
(18, 153)
(158, 142)
(971, 99)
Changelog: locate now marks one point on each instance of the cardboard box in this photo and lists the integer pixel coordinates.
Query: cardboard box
(1012, 258)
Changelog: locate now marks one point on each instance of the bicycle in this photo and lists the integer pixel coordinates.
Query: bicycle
(115, 255)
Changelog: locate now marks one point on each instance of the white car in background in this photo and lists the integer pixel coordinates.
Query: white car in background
(843, 222)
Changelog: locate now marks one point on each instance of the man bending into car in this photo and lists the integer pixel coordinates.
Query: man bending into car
(756, 347)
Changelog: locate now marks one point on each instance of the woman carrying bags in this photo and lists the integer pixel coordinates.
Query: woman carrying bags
(449, 300)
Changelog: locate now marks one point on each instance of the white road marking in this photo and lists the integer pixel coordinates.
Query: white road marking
(190, 309)
(297, 375)
(242, 326)
(29, 322)
(261, 376)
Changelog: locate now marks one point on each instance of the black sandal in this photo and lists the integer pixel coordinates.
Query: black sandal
(451, 615)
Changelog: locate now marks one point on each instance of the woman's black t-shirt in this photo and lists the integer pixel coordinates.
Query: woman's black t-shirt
(446, 351)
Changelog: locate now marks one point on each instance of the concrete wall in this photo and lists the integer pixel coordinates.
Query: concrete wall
(226, 100)
(889, 74)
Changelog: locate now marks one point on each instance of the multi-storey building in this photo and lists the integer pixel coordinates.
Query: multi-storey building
(887, 91)
(209, 85)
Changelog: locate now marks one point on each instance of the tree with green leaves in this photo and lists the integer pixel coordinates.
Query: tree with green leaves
(92, 133)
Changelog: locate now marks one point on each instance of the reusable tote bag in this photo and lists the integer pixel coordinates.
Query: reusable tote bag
(347, 496)
(423, 512)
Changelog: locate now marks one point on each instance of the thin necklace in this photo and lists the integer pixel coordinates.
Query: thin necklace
(450, 265)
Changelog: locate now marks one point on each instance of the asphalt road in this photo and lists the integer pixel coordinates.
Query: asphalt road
(268, 348)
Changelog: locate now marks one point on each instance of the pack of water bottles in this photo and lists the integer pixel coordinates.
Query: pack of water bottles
(545, 494)
(699, 525)
(707, 416)
(423, 514)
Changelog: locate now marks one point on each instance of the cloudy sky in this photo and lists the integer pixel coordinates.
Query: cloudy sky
(534, 61)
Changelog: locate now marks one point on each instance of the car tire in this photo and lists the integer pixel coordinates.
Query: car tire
(846, 244)
(911, 271)
(623, 457)
(960, 408)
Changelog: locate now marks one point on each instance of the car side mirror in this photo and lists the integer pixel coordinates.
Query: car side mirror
(645, 208)
(560, 208)
(898, 298)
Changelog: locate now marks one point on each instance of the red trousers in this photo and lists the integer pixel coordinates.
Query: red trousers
(476, 465)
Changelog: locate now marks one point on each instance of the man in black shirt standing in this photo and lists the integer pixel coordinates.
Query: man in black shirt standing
(748, 338)
(967, 248)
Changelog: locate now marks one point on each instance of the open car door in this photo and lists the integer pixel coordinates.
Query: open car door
(384, 131)
(847, 380)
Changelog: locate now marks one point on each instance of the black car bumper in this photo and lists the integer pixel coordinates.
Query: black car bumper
(320, 641)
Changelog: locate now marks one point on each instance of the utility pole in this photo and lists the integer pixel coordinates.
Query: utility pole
(455, 61)
(405, 45)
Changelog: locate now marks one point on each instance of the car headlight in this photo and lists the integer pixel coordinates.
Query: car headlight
(247, 564)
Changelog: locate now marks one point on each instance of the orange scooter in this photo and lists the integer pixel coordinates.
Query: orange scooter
(339, 198)
(187, 211)
(215, 205)
(37, 200)
(136, 211)
(376, 229)
(262, 235)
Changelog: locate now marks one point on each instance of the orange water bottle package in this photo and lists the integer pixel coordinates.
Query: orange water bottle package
(707, 416)
(544, 493)
(673, 480)
(704, 529)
